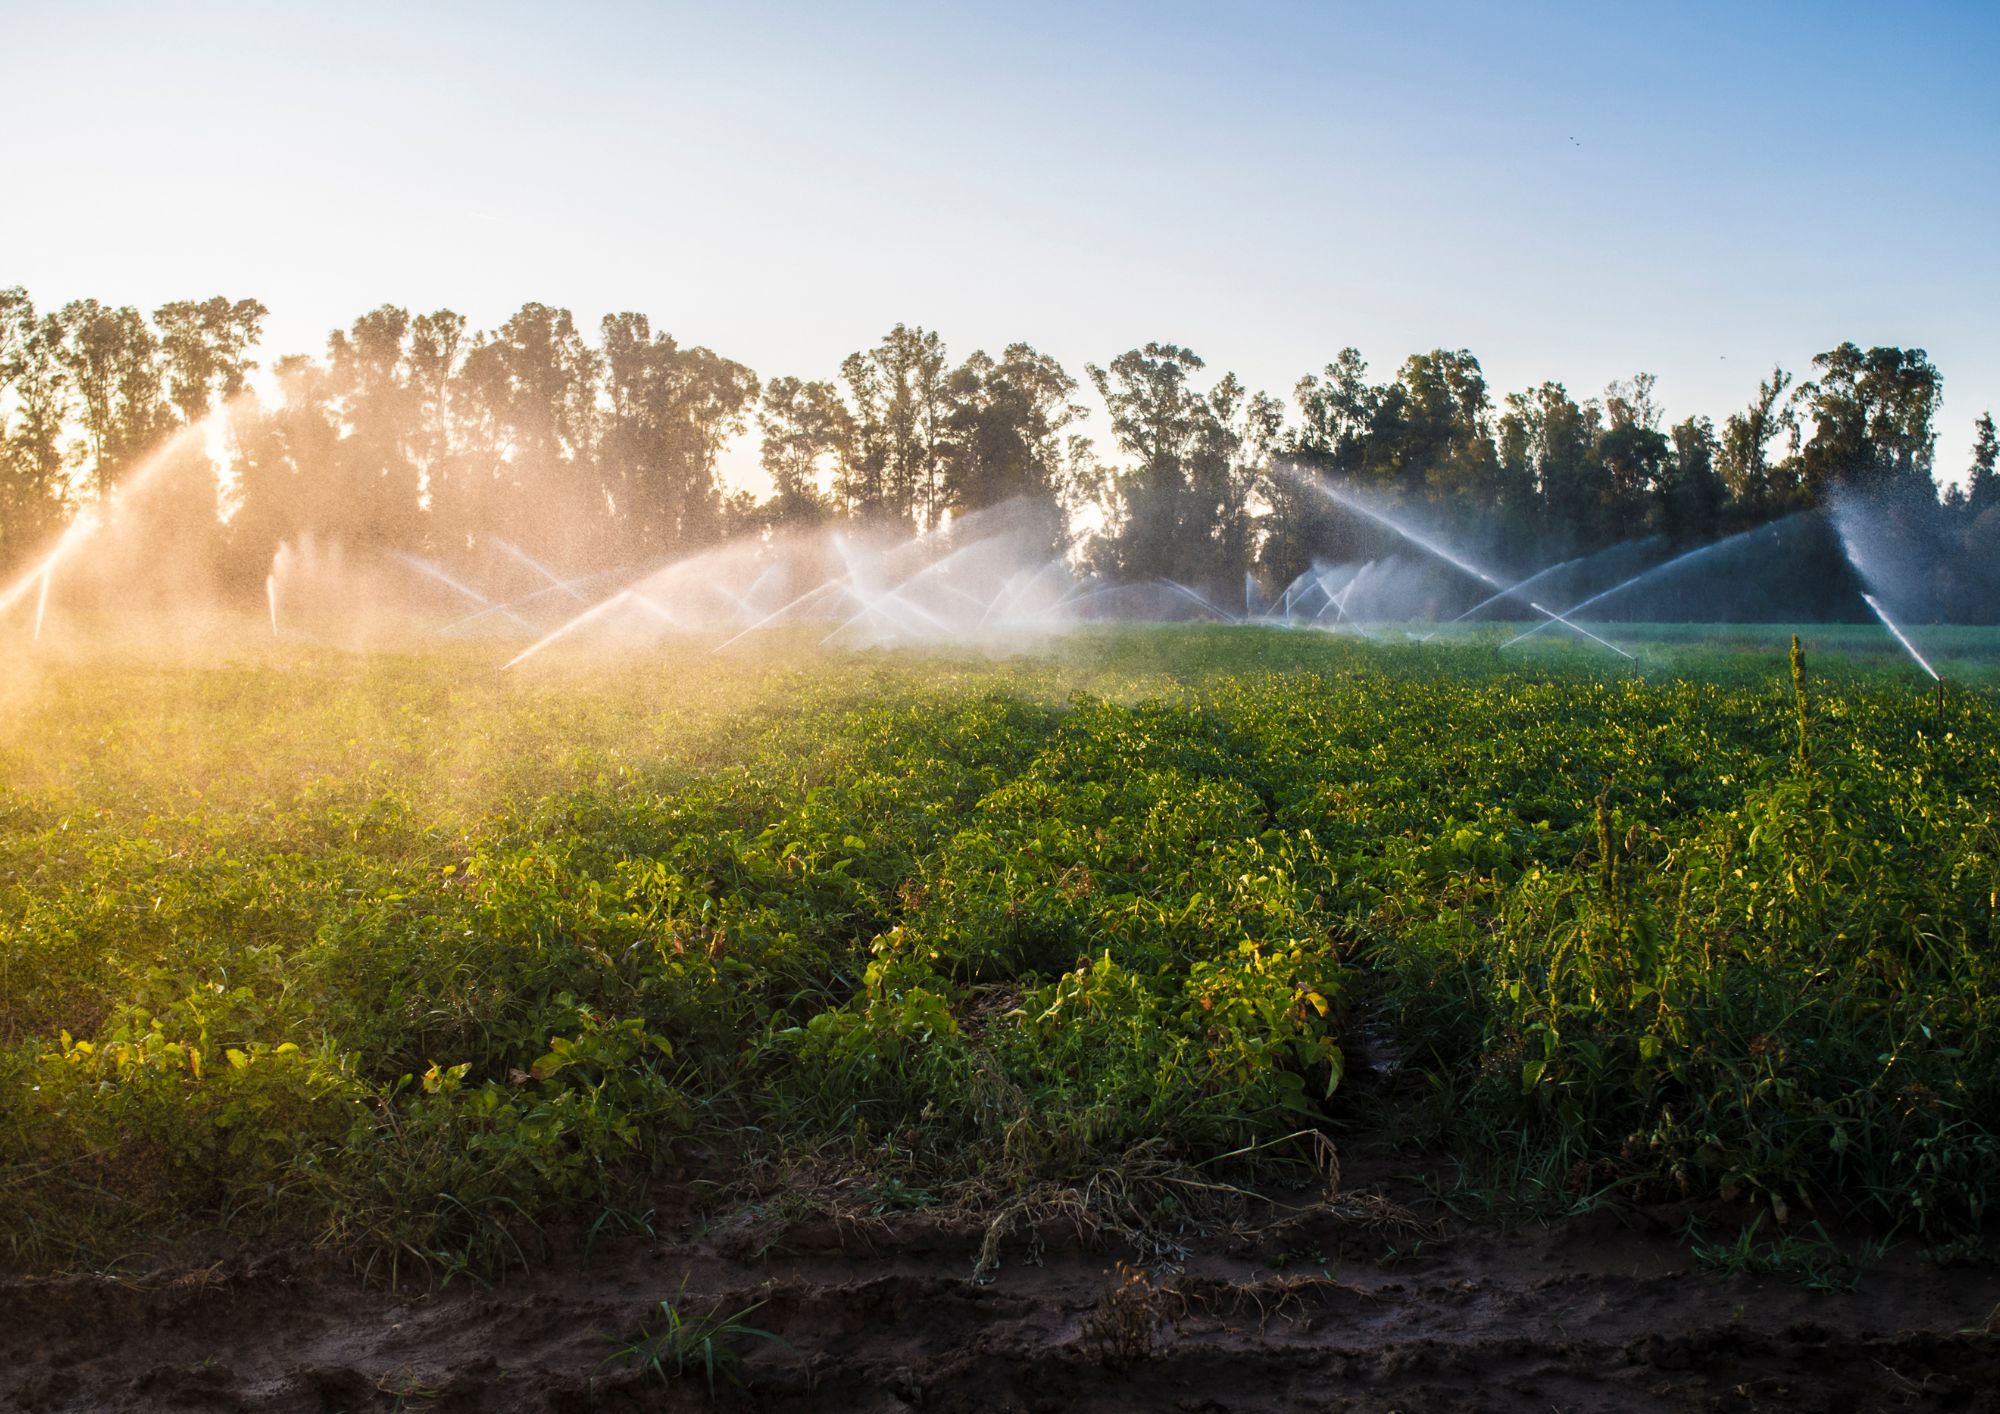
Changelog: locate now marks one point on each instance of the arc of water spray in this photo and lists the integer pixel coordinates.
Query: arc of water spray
(1334, 493)
(839, 584)
(1319, 587)
(18, 590)
(87, 523)
(42, 600)
(854, 581)
(1901, 637)
(568, 586)
(1015, 590)
(741, 601)
(1308, 581)
(749, 596)
(1222, 614)
(1336, 601)
(1511, 589)
(1015, 585)
(588, 615)
(654, 607)
(973, 599)
(425, 567)
(1077, 592)
(1339, 603)
(555, 580)
(1336, 604)
(1558, 618)
(1084, 596)
(36, 580)
(1677, 561)
(876, 604)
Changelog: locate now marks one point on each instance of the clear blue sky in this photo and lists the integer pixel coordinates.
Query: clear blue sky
(1574, 191)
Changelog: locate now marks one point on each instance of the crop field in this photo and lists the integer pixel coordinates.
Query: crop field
(442, 973)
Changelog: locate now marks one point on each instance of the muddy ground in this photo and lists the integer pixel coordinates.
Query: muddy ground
(1352, 1302)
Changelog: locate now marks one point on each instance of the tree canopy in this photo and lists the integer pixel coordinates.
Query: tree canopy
(416, 432)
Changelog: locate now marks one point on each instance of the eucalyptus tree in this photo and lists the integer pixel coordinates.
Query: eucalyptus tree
(436, 346)
(1637, 460)
(1227, 467)
(670, 410)
(527, 393)
(806, 431)
(1691, 495)
(111, 358)
(1337, 411)
(1008, 434)
(1442, 447)
(1872, 415)
(206, 345)
(288, 472)
(373, 402)
(894, 470)
(1982, 482)
(1550, 440)
(1757, 485)
(1155, 419)
(35, 401)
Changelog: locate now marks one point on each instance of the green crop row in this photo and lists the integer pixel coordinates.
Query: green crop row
(398, 955)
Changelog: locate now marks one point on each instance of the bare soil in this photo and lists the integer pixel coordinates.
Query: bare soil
(1343, 1306)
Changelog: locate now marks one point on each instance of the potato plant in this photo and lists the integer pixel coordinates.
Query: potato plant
(395, 954)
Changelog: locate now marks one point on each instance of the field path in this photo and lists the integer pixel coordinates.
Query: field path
(1601, 1313)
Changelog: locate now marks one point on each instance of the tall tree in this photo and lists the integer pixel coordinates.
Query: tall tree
(111, 359)
(1227, 464)
(1155, 418)
(1442, 447)
(895, 468)
(1551, 440)
(670, 412)
(1636, 456)
(1007, 423)
(806, 430)
(1337, 412)
(529, 397)
(436, 342)
(287, 485)
(1982, 483)
(369, 377)
(1743, 454)
(1692, 496)
(32, 465)
(206, 346)
(1632, 402)
(1872, 419)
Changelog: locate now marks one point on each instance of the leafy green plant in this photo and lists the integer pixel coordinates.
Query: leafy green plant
(388, 955)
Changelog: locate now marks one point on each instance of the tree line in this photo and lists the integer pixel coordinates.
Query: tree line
(415, 432)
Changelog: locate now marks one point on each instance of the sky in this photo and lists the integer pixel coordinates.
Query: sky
(1574, 192)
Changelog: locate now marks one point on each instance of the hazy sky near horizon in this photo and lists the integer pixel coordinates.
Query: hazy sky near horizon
(1574, 192)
